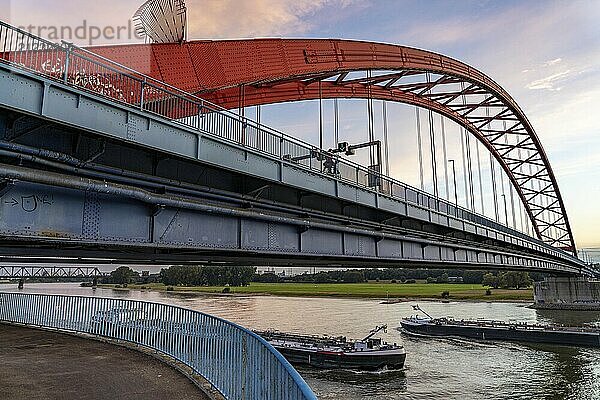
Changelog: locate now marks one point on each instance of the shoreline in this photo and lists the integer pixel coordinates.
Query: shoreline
(393, 299)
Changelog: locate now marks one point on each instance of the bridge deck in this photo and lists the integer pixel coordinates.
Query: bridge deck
(39, 364)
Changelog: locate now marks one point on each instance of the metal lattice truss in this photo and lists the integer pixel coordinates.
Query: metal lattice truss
(501, 127)
(238, 73)
(162, 21)
(13, 271)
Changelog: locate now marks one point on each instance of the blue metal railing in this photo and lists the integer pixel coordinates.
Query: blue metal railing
(237, 362)
(85, 70)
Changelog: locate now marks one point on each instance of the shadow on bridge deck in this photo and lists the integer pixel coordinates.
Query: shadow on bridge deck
(38, 364)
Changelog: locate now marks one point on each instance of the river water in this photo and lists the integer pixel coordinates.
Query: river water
(435, 368)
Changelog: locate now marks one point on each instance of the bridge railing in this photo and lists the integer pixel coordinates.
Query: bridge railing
(236, 361)
(88, 71)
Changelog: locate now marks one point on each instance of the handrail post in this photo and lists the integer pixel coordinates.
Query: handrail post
(259, 141)
(142, 88)
(200, 109)
(243, 131)
(281, 139)
(244, 365)
(67, 61)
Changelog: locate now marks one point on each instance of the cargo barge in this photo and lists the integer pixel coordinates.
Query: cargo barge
(505, 331)
(368, 354)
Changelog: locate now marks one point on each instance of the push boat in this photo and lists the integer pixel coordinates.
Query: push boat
(369, 354)
(482, 329)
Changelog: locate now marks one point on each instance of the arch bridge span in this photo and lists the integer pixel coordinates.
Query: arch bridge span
(99, 161)
(239, 73)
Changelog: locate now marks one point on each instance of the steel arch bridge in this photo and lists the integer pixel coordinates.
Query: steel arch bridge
(240, 73)
(103, 162)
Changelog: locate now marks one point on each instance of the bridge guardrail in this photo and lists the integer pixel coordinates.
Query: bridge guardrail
(237, 362)
(83, 69)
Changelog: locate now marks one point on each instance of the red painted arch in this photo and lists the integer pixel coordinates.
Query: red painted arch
(233, 73)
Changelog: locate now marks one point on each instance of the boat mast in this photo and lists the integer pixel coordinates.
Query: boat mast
(374, 331)
(417, 308)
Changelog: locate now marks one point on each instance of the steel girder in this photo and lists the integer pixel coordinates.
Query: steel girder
(62, 212)
(241, 73)
(13, 271)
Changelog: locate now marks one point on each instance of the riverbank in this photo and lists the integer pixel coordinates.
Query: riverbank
(400, 291)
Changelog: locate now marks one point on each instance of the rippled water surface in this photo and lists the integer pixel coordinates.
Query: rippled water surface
(435, 368)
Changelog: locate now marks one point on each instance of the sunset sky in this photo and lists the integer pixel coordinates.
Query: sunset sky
(545, 53)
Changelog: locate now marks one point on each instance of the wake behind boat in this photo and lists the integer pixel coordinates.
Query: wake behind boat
(498, 330)
(337, 352)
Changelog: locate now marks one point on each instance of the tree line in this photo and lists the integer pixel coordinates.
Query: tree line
(187, 275)
(506, 280)
(495, 279)
(182, 275)
(196, 275)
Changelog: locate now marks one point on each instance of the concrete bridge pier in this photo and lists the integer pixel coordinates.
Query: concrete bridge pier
(21, 283)
(95, 282)
(567, 293)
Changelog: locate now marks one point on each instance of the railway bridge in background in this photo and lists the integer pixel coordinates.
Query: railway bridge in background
(133, 154)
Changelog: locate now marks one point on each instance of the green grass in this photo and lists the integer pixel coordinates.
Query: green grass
(458, 291)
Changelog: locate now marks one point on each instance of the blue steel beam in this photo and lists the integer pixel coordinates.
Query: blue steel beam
(47, 207)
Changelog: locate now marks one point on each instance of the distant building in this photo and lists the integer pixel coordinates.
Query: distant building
(455, 279)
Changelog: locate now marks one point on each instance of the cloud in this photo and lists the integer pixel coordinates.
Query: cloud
(552, 62)
(554, 75)
(586, 163)
(570, 114)
(254, 18)
(548, 63)
(550, 82)
(488, 27)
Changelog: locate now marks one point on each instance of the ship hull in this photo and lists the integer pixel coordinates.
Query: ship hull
(367, 361)
(588, 339)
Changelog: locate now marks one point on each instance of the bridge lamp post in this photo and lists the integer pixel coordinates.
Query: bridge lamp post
(505, 209)
(454, 178)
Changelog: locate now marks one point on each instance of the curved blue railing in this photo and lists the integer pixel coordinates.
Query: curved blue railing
(237, 362)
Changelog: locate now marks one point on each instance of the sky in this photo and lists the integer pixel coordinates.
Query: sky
(546, 54)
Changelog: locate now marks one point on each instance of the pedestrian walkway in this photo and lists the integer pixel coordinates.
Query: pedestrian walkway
(37, 364)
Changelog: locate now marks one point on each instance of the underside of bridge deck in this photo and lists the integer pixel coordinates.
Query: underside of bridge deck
(77, 195)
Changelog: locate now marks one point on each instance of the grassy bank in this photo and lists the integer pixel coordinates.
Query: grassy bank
(458, 291)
